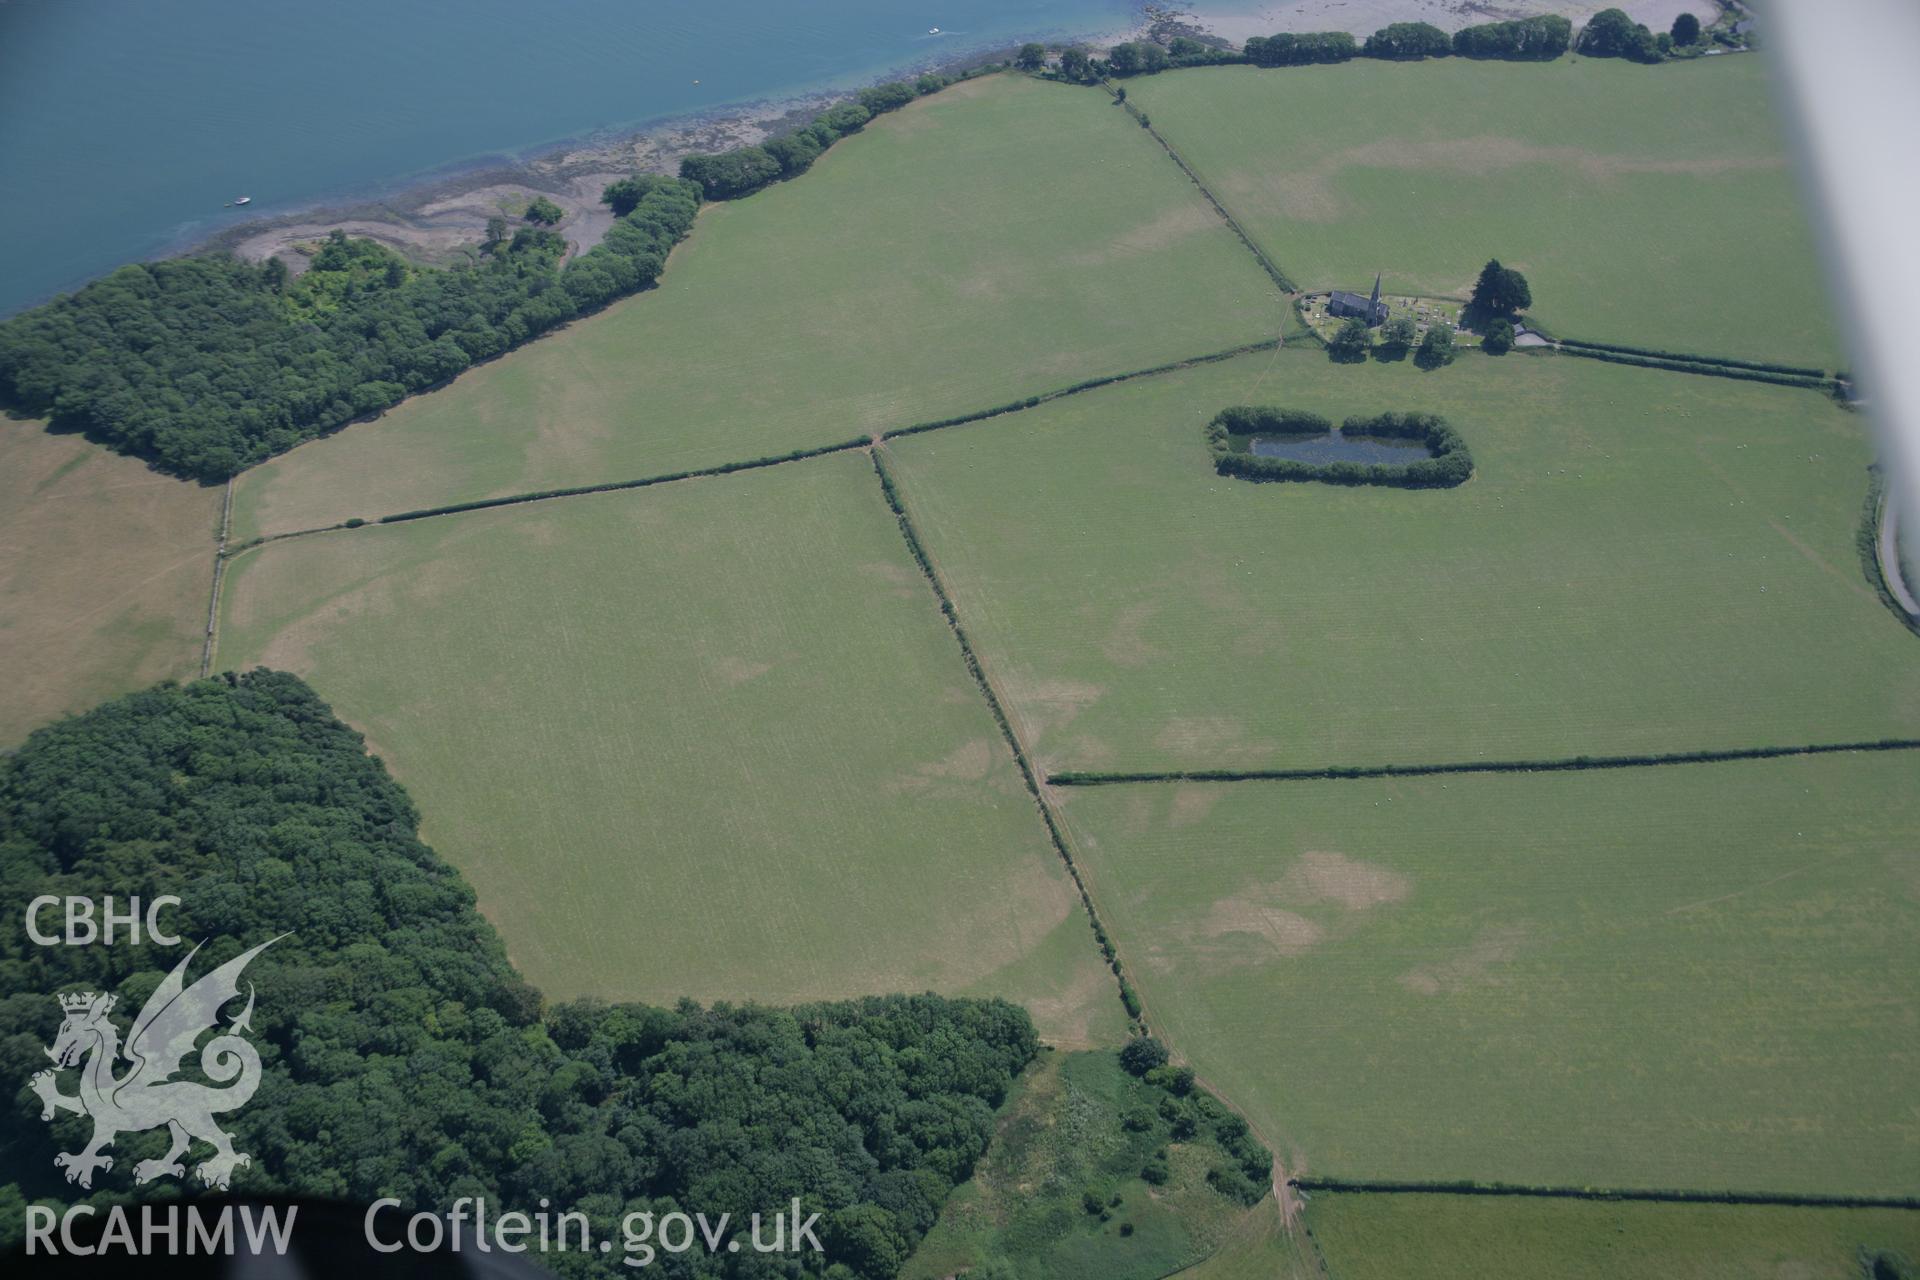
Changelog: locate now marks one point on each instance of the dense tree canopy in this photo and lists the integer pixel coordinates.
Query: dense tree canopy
(1351, 342)
(403, 1056)
(1290, 49)
(1498, 339)
(1138, 57)
(1436, 349)
(1610, 33)
(1686, 29)
(1500, 291)
(544, 211)
(1404, 41)
(1540, 39)
(207, 365)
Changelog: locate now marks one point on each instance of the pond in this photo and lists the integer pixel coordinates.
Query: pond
(1332, 446)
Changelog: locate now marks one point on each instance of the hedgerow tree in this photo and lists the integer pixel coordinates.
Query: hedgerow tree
(1498, 338)
(1032, 56)
(1397, 337)
(1436, 348)
(1142, 1054)
(1074, 64)
(1351, 343)
(1686, 29)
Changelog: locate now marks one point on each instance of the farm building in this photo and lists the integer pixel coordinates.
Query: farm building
(1372, 310)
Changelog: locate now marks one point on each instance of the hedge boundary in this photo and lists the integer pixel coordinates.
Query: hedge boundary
(1267, 264)
(1450, 465)
(1573, 764)
(771, 460)
(1129, 998)
(1668, 1195)
(1760, 366)
(614, 486)
(1089, 384)
(1716, 370)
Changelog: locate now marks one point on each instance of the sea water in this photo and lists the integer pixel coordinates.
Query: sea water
(127, 125)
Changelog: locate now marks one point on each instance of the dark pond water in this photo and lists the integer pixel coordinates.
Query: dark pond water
(1335, 447)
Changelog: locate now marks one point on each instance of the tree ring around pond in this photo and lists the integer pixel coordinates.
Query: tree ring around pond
(1404, 450)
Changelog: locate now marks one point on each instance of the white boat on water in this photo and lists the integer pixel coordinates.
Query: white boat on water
(933, 31)
(236, 203)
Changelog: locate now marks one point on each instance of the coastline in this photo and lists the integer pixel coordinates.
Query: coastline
(437, 216)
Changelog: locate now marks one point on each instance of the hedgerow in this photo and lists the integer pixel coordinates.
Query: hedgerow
(1090, 778)
(1738, 373)
(1762, 366)
(1129, 998)
(1672, 1195)
(612, 486)
(1451, 463)
(1086, 384)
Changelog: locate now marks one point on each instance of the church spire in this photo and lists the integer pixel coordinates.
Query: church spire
(1376, 289)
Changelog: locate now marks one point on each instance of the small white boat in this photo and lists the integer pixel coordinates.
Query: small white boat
(236, 203)
(933, 31)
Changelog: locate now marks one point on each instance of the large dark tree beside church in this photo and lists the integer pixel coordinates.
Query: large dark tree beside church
(207, 365)
(1500, 291)
(403, 1055)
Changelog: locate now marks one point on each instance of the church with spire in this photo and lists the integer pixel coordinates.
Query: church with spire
(1372, 310)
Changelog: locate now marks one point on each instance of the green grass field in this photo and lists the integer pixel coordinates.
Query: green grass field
(1643, 561)
(1687, 976)
(105, 568)
(1475, 1238)
(709, 740)
(998, 239)
(1646, 205)
(1062, 1134)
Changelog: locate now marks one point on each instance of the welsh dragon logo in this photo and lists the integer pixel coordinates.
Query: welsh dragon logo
(147, 1096)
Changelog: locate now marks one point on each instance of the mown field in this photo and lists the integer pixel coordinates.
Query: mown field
(1643, 561)
(1478, 1238)
(707, 740)
(1646, 205)
(1686, 976)
(105, 568)
(995, 240)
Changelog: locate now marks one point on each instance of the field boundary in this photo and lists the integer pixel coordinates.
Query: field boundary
(1571, 764)
(1129, 998)
(1705, 366)
(1090, 384)
(774, 460)
(1267, 264)
(1662, 1195)
(219, 574)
